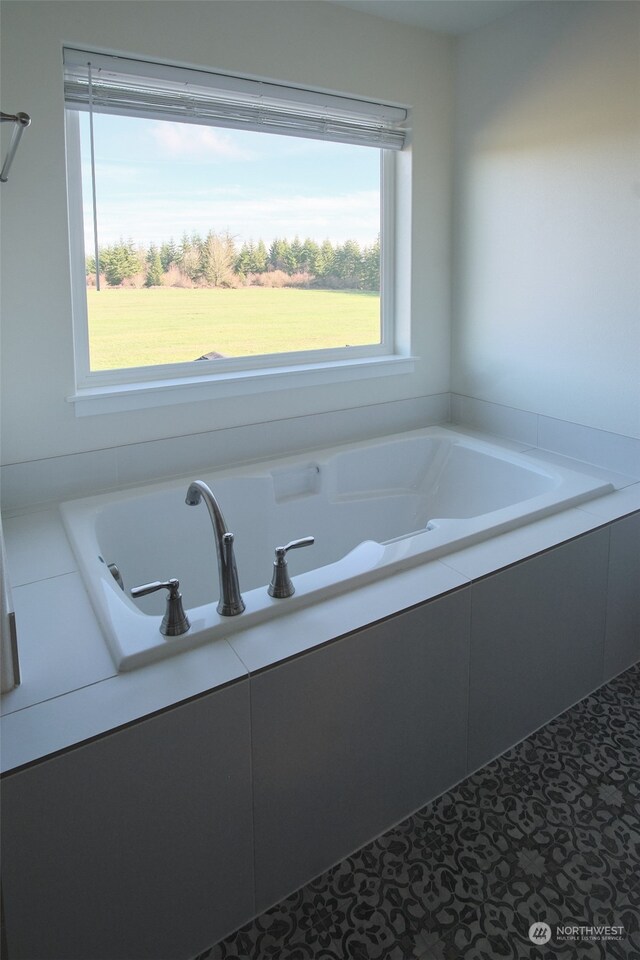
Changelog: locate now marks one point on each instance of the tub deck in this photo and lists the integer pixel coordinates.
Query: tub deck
(375, 508)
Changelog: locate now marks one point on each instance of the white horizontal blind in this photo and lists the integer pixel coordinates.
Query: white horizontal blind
(139, 88)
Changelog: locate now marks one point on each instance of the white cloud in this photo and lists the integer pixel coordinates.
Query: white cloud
(340, 217)
(192, 141)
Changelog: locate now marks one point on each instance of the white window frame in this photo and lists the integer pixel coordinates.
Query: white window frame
(110, 391)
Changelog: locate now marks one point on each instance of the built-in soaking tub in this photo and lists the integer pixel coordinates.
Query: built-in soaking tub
(374, 508)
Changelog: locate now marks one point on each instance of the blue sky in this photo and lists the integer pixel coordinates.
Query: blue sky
(157, 179)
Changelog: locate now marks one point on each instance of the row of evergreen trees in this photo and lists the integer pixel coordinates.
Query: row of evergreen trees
(216, 261)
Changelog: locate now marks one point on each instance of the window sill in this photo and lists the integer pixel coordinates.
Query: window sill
(120, 398)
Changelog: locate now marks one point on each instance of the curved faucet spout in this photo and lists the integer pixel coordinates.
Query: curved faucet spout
(230, 603)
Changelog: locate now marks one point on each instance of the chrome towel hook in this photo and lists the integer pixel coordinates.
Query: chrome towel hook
(22, 121)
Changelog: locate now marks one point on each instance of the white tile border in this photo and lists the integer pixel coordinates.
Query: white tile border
(604, 449)
(106, 703)
(81, 474)
(270, 643)
(616, 505)
(91, 711)
(38, 546)
(54, 659)
(618, 480)
(490, 556)
(75, 475)
(501, 421)
(33, 482)
(600, 448)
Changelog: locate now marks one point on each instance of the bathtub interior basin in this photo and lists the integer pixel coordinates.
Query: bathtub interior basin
(373, 507)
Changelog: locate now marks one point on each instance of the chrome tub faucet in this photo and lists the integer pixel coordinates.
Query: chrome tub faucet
(230, 603)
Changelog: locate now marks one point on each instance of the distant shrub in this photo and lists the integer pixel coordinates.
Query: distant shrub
(301, 279)
(278, 279)
(333, 282)
(135, 282)
(175, 277)
(272, 278)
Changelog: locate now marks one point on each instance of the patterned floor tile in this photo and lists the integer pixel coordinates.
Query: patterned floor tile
(556, 780)
(596, 744)
(412, 837)
(547, 833)
(625, 687)
(625, 911)
(501, 927)
(484, 834)
(287, 931)
(623, 795)
(370, 905)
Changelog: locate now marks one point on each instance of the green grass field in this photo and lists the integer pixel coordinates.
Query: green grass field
(131, 328)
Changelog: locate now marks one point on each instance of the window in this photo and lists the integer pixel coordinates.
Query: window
(223, 226)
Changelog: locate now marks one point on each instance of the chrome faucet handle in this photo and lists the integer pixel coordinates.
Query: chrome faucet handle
(175, 621)
(281, 585)
(294, 544)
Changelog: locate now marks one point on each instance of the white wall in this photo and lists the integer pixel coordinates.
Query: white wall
(547, 205)
(546, 246)
(316, 44)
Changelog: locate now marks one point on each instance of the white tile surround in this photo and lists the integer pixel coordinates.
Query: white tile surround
(42, 566)
(45, 581)
(62, 478)
(598, 447)
(59, 478)
(438, 648)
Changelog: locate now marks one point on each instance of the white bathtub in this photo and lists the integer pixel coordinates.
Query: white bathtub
(374, 507)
